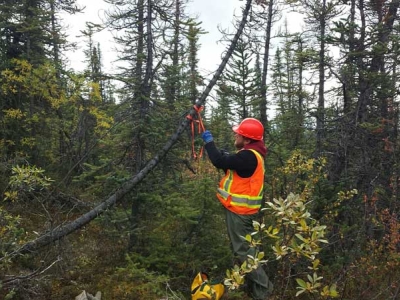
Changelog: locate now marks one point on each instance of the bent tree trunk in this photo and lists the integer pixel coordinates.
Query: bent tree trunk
(83, 220)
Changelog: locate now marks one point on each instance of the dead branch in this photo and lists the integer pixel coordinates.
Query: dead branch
(15, 280)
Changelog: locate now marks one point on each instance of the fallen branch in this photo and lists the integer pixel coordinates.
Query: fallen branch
(64, 230)
(15, 280)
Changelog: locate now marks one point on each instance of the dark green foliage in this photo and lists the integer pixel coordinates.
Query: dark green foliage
(239, 82)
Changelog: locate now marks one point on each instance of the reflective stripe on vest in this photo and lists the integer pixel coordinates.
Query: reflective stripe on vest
(245, 203)
(242, 200)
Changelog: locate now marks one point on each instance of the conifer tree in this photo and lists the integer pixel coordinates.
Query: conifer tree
(262, 23)
(223, 116)
(174, 70)
(195, 80)
(152, 91)
(240, 80)
(318, 15)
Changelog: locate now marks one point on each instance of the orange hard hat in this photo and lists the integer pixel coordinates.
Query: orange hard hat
(250, 128)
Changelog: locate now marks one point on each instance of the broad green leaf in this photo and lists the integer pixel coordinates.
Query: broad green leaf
(301, 283)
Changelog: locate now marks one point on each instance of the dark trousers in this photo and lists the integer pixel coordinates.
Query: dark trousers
(238, 227)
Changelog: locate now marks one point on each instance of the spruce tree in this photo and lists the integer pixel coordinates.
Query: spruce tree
(239, 79)
(196, 79)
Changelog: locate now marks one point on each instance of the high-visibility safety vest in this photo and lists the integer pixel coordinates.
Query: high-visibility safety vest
(243, 195)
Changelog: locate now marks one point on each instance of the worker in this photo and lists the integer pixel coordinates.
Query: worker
(241, 193)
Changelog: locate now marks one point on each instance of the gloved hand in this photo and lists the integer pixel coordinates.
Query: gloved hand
(207, 136)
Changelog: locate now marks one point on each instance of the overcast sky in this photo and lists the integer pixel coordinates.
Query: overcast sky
(212, 13)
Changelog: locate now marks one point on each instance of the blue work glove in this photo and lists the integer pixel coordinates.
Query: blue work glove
(207, 136)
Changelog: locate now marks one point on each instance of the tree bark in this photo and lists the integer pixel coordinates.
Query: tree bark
(263, 105)
(321, 90)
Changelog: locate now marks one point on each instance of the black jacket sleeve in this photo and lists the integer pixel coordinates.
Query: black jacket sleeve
(243, 162)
